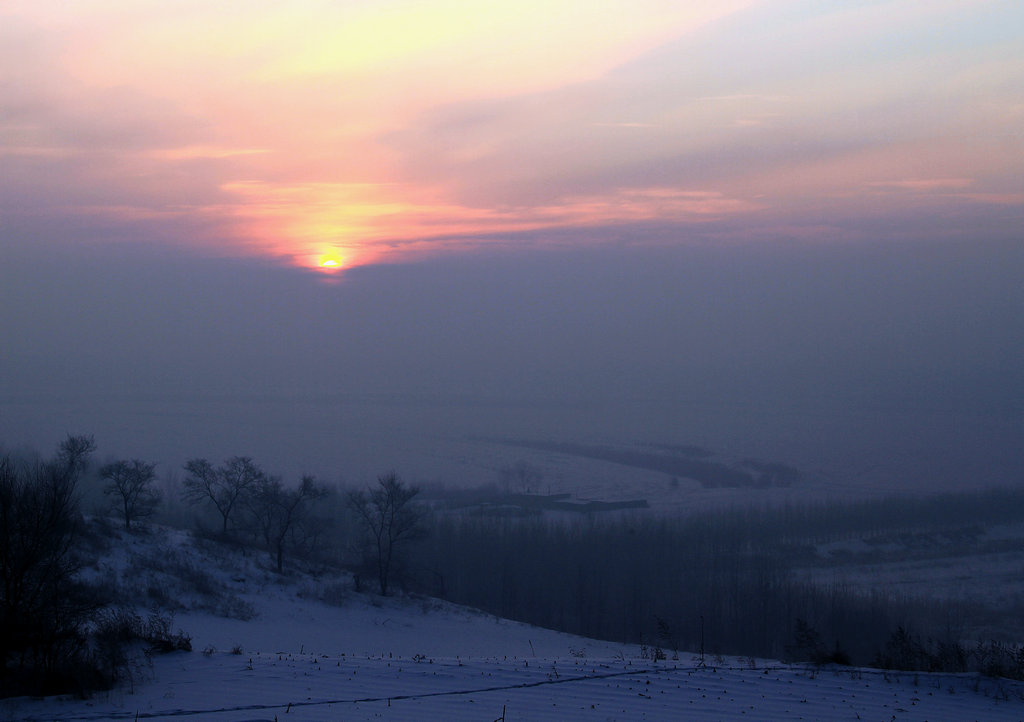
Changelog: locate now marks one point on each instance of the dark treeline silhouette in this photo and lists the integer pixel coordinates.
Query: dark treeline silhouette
(798, 525)
(57, 632)
(686, 463)
(792, 527)
(720, 581)
(44, 608)
(721, 577)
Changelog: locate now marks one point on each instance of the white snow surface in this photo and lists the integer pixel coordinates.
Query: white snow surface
(421, 659)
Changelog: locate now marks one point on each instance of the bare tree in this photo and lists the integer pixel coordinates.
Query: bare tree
(390, 518)
(278, 512)
(131, 485)
(223, 486)
(73, 455)
(42, 607)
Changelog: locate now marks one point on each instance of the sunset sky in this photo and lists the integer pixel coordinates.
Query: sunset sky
(646, 199)
(354, 133)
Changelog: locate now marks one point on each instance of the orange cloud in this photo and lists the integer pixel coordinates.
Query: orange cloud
(359, 224)
(338, 134)
(193, 152)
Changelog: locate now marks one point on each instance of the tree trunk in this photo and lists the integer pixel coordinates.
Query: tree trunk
(382, 570)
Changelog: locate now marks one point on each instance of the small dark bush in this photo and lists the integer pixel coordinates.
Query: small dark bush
(157, 633)
(837, 656)
(116, 630)
(808, 646)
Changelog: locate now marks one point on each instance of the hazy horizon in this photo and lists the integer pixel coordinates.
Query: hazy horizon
(328, 235)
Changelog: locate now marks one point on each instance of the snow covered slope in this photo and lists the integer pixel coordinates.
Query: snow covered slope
(361, 658)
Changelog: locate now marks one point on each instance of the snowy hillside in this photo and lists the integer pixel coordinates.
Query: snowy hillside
(307, 647)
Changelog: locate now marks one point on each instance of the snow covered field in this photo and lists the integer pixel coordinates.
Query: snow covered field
(367, 658)
(314, 686)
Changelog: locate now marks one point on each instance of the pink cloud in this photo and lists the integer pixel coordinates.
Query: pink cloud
(924, 184)
(356, 224)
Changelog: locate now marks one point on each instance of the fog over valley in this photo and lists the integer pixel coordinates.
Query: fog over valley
(869, 369)
(422, 359)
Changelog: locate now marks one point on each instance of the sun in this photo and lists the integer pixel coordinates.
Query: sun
(330, 262)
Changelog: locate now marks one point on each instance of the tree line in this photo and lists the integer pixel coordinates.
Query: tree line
(717, 580)
(655, 581)
(60, 634)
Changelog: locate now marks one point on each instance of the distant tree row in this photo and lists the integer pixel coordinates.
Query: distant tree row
(677, 583)
(722, 578)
